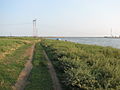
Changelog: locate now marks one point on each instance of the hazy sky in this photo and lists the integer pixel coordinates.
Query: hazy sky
(60, 17)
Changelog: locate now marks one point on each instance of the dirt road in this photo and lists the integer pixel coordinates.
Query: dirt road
(21, 82)
(56, 84)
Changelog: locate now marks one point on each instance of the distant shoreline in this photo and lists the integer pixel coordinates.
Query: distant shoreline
(59, 37)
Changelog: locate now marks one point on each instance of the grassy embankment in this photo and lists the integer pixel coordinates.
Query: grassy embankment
(39, 78)
(8, 46)
(12, 59)
(80, 66)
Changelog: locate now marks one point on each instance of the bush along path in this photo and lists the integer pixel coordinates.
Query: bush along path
(39, 78)
(84, 67)
(21, 82)
(56, 84)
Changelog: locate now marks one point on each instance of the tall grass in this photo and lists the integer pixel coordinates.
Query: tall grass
(81, 66)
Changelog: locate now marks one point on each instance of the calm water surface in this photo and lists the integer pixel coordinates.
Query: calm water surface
(113, 42)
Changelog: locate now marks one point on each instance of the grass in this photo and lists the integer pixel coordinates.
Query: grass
(39, 78)
(86, 67)
(11, 66)
(13, 57)
(8, 46)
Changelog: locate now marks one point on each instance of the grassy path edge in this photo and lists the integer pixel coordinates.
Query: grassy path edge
(56, 84)
(39, 78)
(21, 82)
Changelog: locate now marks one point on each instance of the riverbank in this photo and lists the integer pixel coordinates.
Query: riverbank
(78, 66)
(81, 66)
(112, 42)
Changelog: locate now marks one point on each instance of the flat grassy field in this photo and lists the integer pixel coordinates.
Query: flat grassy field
(85, 67)
(7, 46)
(39, 78)
(13, 56)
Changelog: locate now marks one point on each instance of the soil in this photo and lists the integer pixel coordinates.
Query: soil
(56, 84)
(22, 79)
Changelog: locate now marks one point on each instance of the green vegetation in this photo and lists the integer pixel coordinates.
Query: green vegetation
(7, 46)
(39, 78)
(13, 55)
(20, 38)
(11, 66)
(87, 67)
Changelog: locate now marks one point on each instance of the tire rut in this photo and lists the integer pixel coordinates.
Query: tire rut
(21, 81)
(56, 84)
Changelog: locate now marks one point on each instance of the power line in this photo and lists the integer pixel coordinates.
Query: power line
(15, 24)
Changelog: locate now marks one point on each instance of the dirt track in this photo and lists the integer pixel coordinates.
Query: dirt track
(56, 84)
(22, 79)
(21, 82)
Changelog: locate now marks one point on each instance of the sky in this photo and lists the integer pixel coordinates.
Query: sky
(70, 18)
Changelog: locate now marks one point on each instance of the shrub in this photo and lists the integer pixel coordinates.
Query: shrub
(81, 66)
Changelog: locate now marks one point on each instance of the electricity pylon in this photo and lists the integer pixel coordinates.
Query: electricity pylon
(34, 28)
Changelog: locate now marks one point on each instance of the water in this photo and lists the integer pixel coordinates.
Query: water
(113, 42)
